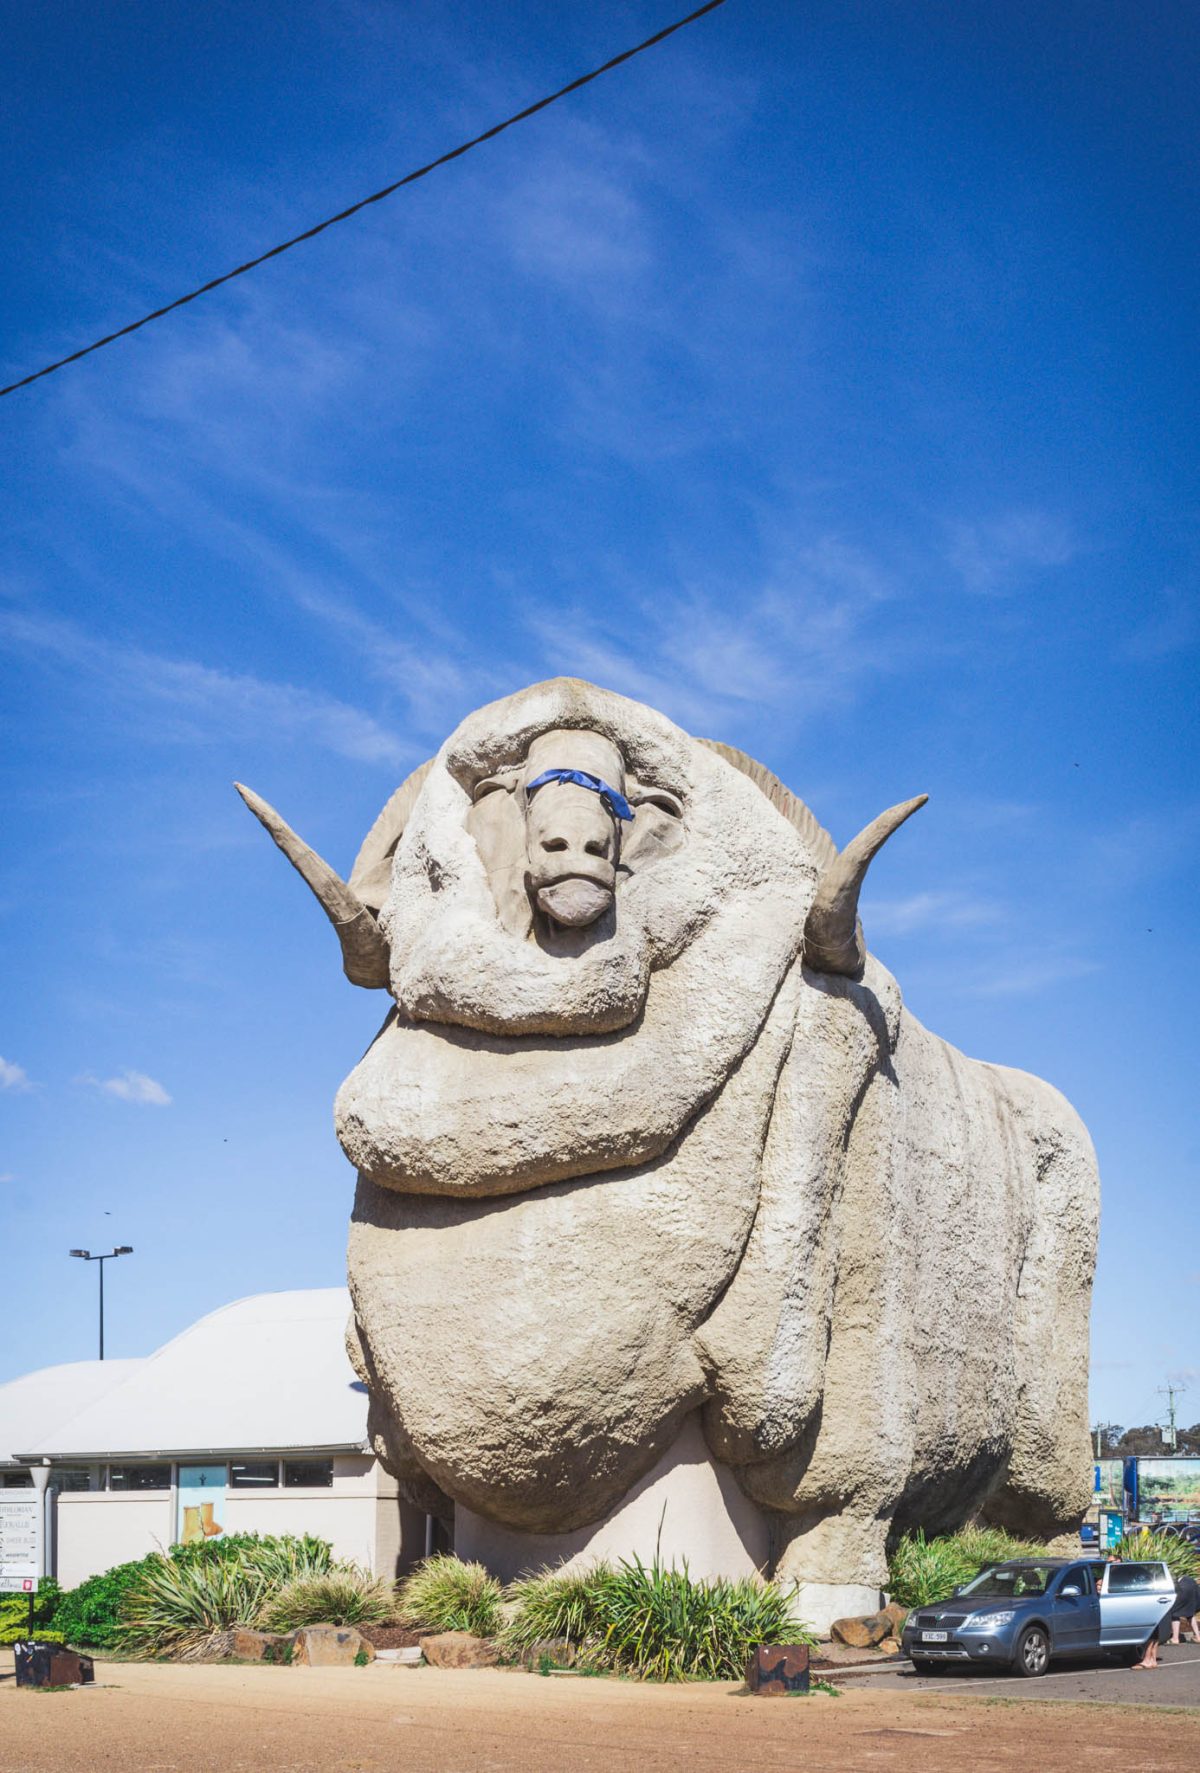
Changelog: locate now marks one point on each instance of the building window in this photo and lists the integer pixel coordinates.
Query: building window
(139, 1477)
(71, 1477)
(308, 1474)
(16, 1480)
(254, 1474)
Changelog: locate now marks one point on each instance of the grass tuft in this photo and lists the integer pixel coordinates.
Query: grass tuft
(342, 1596)
(446, 1594)
(652, 1621)
(922, 1571)
(1181, 1558)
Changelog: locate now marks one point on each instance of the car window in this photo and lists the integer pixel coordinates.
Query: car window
(1010, 1581)
(1130, 1578)
(1078, 1576)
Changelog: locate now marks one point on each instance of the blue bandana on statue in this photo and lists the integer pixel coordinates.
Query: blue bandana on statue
(616, 802)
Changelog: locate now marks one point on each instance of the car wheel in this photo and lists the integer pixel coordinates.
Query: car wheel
(1032, 1656)
(922, 1665)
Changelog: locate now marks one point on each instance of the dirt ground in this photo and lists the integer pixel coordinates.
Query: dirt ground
(178, 1719)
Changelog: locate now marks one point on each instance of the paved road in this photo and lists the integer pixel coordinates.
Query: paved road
(1176, 1682)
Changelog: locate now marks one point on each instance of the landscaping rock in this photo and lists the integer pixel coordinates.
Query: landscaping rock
(559, 1651)
(897, 1614)
(216, 1647)
(260, 1646)
(864, 1631)
(330, 1646)
(890, 1646)
(459, 1649)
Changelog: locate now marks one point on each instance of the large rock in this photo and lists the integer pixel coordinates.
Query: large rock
(331, 1646)
(261, 1646)
(459, 1649)
(648, 1130)
(864, 1632)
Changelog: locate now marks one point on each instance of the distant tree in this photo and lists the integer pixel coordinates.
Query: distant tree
(1147, 1441)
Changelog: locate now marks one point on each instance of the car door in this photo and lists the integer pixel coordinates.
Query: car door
(1133, 1600)
(1075, 1621)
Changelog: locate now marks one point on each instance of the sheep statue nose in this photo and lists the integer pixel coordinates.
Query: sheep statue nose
(573, 827)
(572, 841)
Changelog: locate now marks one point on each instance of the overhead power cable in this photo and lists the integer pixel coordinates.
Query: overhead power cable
(344, 215)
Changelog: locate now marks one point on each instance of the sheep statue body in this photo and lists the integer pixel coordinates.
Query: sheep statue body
(657, 1173)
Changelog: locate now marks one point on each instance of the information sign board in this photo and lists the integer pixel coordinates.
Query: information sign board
(1112, 1528)
(20, 1523)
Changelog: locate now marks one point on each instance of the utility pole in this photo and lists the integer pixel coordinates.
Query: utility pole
(1171, 1392)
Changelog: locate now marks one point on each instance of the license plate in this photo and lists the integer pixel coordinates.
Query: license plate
(934, 1637)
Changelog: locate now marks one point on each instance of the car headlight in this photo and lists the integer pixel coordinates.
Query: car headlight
(989, 1621)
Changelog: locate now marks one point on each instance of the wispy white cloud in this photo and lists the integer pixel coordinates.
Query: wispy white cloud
(1032, 974)
(1002, 552)
(14, 1077)
(131, 1086)
(1173, 628)
(8, 1176)
(570, 222)
(931, 910)
(795, 642)
(195, 700)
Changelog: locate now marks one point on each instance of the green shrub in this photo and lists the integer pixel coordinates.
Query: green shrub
(1181, 1558)
(344, 1596)
(90, 1615)
(278, 1557)
(14, 1614)
(446, 1594)
(172, 1606)
(653, 1621)
(921, 1571)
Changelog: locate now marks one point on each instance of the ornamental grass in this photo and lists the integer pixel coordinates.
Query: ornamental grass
(652, 1621)
(447, 1594)
(922, 1571)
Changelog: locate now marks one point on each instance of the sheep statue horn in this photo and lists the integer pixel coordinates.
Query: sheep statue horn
(364, 950)
(833, 936)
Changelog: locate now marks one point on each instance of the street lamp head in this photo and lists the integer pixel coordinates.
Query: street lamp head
(86, 1254)
(123, 1250)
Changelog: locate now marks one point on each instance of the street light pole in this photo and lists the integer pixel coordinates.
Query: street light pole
(87, 1256)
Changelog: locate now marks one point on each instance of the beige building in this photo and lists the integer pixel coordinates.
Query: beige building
(251, 1420)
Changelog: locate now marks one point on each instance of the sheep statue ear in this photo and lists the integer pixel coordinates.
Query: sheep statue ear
(833, 935)
(365, 959)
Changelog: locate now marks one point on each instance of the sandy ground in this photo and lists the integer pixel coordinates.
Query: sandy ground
(164, 1719)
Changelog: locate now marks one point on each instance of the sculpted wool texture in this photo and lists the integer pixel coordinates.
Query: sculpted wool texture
(647, 1130)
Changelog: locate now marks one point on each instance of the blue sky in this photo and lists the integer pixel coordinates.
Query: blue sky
(827, 378)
